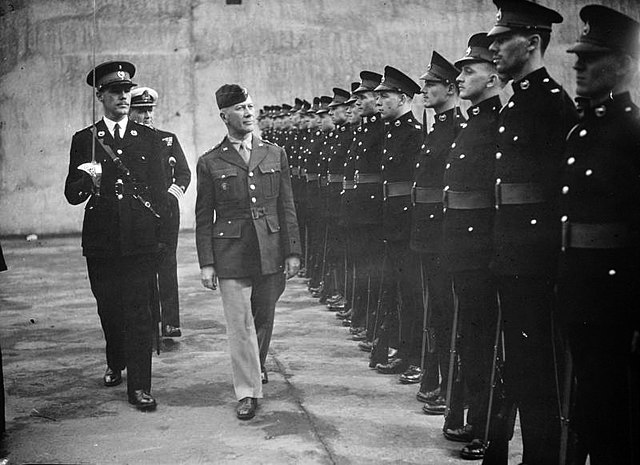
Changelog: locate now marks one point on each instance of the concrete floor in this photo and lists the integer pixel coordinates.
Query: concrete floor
(323, 405)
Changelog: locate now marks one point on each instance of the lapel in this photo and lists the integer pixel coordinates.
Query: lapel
(258, 153)
(229, 154)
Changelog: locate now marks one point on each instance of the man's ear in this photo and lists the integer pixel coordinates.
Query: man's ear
(99, 95)
(452, 88)
(534, 41)
(223, 116)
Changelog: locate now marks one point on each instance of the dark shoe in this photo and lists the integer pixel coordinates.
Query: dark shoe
(263, 376)
(391, 353)
(412, 375)
(473, 451)
(346, 323)
(464, 434)
(361, 336)
(339, 304)
(246, 409)
(112, 377)
(428, 396)
(366, 346)
(171, 331)
(356, 329)
(142, 400)
(436, 406)
(394, 367)
(343, 315)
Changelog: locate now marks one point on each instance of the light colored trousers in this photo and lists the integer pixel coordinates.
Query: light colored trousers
(249, 306)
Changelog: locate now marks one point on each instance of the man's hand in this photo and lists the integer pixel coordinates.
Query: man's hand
(209, 277)
(291, 266)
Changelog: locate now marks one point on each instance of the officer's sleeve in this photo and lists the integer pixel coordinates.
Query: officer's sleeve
(205, 204)
(289, 231)
(78, 186)
(157, 187)
(181, 170)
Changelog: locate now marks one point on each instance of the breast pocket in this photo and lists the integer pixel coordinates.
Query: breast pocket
(226, 184)
(270, 179)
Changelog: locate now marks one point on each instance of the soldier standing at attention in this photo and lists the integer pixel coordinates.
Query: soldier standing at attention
(177, 179)
(121, 237)
(531, 140)
(253, 245)
(599, 279)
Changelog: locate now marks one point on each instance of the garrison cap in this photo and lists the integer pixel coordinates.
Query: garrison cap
(440, 70)
(325, 101)
(516, 15)
(605, 31)
(477, 50)
(231, 94)
(368, 81)
(340, 97)
(352, 98)
(396, 81)
(143, 97)
(112, 73)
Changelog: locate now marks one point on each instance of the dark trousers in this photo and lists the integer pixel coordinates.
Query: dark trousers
(168, 273)
(121, 287)
(529, 368)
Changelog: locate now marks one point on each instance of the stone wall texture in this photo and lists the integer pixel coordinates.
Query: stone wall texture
(279, 49)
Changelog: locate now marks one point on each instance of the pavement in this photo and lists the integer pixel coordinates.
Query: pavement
(323, 405)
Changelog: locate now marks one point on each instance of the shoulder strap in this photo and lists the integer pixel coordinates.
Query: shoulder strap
(118, 162)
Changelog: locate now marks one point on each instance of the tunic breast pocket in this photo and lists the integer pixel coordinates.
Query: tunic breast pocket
(138, 163)
(226, 184)
(270, 179)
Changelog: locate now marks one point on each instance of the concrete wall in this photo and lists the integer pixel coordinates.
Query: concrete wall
(279, 49)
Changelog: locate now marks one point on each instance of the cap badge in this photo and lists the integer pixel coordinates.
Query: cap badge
(168, 141)
(120, 74)
(475, 111)
(134, 132)
(586, 29)
(499, 14)
(524, 85)
(468, 52)
(100, 133)
(397, 123)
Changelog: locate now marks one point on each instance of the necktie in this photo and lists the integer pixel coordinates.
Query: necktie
(116, 134)
(244, 152)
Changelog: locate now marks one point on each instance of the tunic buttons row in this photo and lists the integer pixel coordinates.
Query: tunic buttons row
(571, 160)
(501, 129)
(583, 133)
(251, 173)
(565, 189)
(119, 151)
(254, 200)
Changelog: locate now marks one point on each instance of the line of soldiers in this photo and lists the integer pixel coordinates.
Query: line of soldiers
(494, 258)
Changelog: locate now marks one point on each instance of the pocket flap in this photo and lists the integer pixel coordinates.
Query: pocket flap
(266, 168)
(223, 174)
(273, 223)
(227, 229)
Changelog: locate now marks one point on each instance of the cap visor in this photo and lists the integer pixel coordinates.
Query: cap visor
(429, 76)
(585, 47)
(497, 30)
(468, 60)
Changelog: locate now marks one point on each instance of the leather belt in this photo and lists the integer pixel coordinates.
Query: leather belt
(596, 235)
(128, 188)
(331, 178)
(425, 195)
(471, 200)
(251, 212)
(518, 193)
(396, 189)
(348, 184)
(312, 177)
(368, 178)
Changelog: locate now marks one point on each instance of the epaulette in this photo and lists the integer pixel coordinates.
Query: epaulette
(268, 142)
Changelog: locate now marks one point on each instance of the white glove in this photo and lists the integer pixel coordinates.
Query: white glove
(93, 169)
(176, 191)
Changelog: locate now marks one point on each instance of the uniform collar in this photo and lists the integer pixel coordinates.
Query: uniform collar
(532, 81)
(491, 104)
(111, 125)
(619, 103)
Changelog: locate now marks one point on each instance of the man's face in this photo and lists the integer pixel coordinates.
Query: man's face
(366, 103)
(510, 52)
(142, 115)
(473, 80)
(338, 114)
(115, 101)
(595, 74)
(295, 119)
(239, 118)
(354, 113)
(389, 104)
(435, 94)
(326, 122)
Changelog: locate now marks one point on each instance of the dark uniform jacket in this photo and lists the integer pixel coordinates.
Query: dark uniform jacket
(531, 139)
(363, 205)
(312, 169)
(426, 224)
(255, 225)
(600, 187)
(333, 168)
(113, 227)
(180, 174)
(401, 146)
(468, 192)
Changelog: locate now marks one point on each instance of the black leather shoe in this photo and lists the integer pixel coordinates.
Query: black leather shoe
(361, 336)
(112, 377)
(171, 331)
(436, 406)
(246, 409)
(412, 375)
(339, 304)
(473, 451)
(346, 323)
(428, 396)
(142, 400)
(263, 376)
(343, 315)
(394, 367)
(365, 346)
(464, 434)
(356, 329)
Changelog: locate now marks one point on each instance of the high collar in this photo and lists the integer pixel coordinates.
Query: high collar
(534, 80)
(492, 104)
(619, 103)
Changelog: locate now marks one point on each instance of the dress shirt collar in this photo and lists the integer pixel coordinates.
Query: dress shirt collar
(111, 125)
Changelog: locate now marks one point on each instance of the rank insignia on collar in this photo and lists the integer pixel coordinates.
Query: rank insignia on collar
(134, 132)
(442, 117)
(100, 133)
(168, 141)
(397, 123)
(468, 52)
(475, 111)
(524, 85)
(224, 149)
(373, 119)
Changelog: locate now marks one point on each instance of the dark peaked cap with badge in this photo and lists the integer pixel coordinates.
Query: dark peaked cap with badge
(325, 101)
(516, 15)
(607, 31)
(230, 94)
(368, 81)
(352, 97)
(396, 81)
(112, 73)
(477, 50)
(440, 70)
(340, 97)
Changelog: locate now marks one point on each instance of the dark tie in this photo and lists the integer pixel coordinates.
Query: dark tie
(116, 134)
